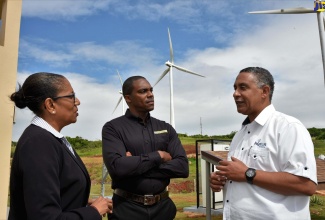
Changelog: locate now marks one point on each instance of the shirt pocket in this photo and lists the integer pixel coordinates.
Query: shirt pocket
(259, 157)
(161, 141)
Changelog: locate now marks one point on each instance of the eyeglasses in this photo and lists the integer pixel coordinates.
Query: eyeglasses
(71, 96)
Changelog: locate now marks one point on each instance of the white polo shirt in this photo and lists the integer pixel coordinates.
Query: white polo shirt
(272, 142)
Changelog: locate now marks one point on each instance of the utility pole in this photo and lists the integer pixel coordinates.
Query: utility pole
(201, 125)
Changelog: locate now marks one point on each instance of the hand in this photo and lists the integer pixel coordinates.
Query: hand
(217, 181)
(165, 156)
(233, 170)
(103, 205)
(128, 154)
(110, 205)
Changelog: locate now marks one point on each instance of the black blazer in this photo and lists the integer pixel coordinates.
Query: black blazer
(47, 181)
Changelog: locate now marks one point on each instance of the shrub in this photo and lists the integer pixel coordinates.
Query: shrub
(316, 200)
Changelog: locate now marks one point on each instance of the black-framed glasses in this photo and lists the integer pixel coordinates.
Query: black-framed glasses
(71, 96)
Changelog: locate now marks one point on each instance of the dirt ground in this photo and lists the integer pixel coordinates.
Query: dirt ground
(320, 192)
(175, 186)
(186, 185)
(190, 150)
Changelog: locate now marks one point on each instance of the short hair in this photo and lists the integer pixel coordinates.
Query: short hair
(36, 88)
(263, 77)
(127, 87)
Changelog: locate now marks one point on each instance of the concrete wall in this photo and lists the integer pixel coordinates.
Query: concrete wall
(10, 12)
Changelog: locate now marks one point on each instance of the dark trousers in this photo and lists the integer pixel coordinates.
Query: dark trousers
(124, 209)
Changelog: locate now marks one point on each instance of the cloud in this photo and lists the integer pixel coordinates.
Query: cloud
(287, 45)
(65, 54)
(115, 53)
(144, 10)
(43, 51)
(220, 20)
(97, 101)
(294, 61)
(63, 9)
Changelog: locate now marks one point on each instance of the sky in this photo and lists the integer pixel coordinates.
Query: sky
(88, 41)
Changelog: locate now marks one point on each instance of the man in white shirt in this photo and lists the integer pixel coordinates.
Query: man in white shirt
(271, 170)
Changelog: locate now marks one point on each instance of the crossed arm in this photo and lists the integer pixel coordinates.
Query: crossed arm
(121, 163)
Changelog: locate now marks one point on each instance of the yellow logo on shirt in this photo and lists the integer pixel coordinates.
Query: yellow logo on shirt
(160, 132)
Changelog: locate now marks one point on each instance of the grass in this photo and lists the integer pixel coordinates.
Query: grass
(317, 208)
(319, 147)
(187, 140)
(87, 152)
(182, 199)
(185, 199)
(92, 158)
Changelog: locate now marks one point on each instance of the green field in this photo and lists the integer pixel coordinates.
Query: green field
(183, 197)
(319, 147)
(186, 198)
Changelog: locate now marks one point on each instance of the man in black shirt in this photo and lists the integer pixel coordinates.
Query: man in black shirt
(141, 154)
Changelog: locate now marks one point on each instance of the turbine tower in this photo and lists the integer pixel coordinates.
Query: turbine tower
(318, 9)
(170, 64)
(121, 98)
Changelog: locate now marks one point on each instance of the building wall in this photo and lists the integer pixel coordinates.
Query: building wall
(320, 186)
(9, 40)
(320, 174)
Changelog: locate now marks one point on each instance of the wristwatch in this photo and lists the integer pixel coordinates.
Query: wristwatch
(250, 174)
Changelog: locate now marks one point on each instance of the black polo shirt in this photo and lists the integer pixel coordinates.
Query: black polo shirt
(144, 172)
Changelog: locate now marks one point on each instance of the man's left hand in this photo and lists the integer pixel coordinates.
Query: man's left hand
(233, 170)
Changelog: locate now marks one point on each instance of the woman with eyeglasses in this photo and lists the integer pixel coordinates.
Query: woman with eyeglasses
(48, 179)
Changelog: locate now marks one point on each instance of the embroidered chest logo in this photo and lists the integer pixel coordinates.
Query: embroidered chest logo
(160, 132)
(260, 144)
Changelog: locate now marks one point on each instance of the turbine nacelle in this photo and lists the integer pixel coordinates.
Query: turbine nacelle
(121, 93)
(168, 63)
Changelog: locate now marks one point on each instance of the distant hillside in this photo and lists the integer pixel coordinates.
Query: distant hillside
(85, 147)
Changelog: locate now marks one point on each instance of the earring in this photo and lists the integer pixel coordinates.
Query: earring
(53, 112)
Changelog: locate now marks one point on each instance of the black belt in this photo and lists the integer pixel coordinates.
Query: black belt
(144, 200)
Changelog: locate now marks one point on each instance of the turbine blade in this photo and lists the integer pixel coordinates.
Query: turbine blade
(299, 10)
(119, 77)
(162, 75)
(170, 48)
(186, 70)
(119, 101)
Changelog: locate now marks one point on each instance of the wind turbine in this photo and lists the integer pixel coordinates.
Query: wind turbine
(318, 9)
(104, 169)
(121, 98)
(169, 69)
